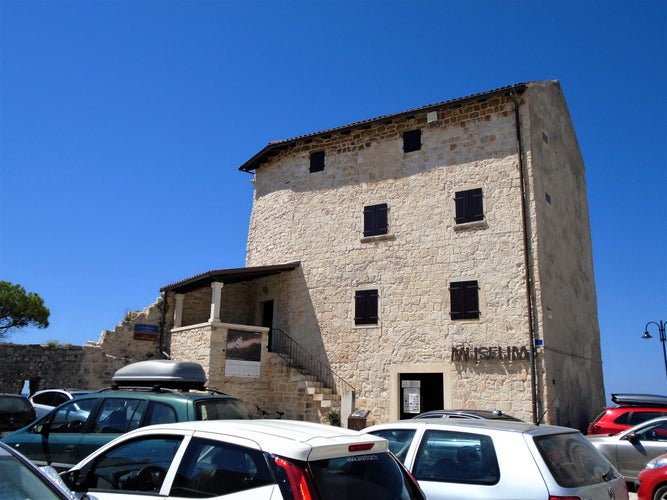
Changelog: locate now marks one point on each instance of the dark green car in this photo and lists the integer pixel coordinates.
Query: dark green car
(73, 430)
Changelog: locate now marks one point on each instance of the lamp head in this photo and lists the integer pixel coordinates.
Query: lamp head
(647, 335)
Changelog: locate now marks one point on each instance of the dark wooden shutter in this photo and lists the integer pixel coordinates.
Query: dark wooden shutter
(464, 300)
(476, 205)
(366, 307)
(471, 300)
(460, 203)
(375, 220)
(469, 205)
(456, 306)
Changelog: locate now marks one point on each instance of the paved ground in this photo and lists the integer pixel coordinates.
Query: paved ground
(633, 496)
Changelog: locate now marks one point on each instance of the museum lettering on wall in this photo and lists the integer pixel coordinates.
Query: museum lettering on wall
(490, 353)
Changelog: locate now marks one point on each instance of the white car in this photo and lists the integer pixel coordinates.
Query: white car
(46, 400)
(463, 459)
(244, 460)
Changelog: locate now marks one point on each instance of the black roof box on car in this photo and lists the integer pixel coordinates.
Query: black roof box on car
(639, 399)
(167, 373)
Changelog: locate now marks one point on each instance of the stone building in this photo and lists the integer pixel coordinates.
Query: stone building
(434, 258)
(437, 257)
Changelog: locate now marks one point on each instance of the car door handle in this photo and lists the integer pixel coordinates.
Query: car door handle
(69, 449)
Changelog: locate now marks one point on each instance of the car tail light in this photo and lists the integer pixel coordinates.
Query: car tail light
(299, 480)
(360, 447)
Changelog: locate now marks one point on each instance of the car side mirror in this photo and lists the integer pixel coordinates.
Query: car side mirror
(632, 437)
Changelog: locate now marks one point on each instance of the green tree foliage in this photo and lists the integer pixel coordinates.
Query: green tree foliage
(19, 309)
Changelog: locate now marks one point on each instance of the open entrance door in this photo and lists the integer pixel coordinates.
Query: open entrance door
(420, 392)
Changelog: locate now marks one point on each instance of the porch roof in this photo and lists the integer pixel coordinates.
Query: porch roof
(227, 276)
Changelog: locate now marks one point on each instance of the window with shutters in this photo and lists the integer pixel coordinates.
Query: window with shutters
(464, 300)
(317, 161)
(469, 206)
(375, 220)
(366, 307)
(412, 140)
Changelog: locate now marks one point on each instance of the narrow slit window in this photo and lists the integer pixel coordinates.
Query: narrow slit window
(317, 161)
(412, 140)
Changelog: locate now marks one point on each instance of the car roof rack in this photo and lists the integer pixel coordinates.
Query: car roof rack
(639, 399)
(159, 374)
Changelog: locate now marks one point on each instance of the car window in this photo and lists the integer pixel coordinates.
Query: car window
(633, 418)
(72, 416)
(653, 432)
(375, 475)
(217, 409)
(18, 481)
(161, 413)
(116, 414)
(14, 405)
(46, 398)
(456, 457)
(136, 466)
(573, 461)
(399, 440)
(213, 468)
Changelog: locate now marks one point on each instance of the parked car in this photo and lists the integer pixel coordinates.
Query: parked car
(652, 481)
(631, 409)
(483, 414)
(143, 394)
(252, 459)
(46, 400)
(631, 449)
(19, 478)
(15, 412)
(462, 459)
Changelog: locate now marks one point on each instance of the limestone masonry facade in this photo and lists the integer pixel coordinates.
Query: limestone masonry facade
(438, 257)
(529, 256)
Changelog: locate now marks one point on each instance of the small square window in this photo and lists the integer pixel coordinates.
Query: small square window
(375, 220)
(464, 300)
(317, 161)
(412, 140)
(366, 307)
(469, 206)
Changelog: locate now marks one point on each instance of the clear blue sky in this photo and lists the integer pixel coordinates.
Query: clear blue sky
(123, 124)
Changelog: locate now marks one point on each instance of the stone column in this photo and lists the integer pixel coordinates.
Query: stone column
(178, 310)
(216, 298)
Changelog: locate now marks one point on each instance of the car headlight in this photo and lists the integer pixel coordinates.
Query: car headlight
(657, 462)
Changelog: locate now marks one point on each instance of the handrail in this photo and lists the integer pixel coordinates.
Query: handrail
(298, 357)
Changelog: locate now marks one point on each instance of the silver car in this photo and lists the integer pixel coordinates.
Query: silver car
(631, 449)
(464, 459)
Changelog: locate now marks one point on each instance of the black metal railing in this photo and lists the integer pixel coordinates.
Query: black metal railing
(299, 358)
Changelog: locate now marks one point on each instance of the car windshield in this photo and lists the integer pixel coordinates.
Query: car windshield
(18, 481)
(218, 409)
(573, 461)
(376, 476)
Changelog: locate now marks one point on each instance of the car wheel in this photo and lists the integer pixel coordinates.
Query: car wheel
(660, 493)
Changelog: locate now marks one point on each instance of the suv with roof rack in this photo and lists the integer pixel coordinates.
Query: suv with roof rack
(143, 393)
(631, 410)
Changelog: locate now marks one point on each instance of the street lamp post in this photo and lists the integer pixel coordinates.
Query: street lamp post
(661, 330)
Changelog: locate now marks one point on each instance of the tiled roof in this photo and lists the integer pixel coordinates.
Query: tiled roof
(273, 147)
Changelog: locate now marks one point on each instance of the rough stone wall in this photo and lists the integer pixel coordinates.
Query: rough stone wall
(84, 367)
(317, 218)
(572, 371)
